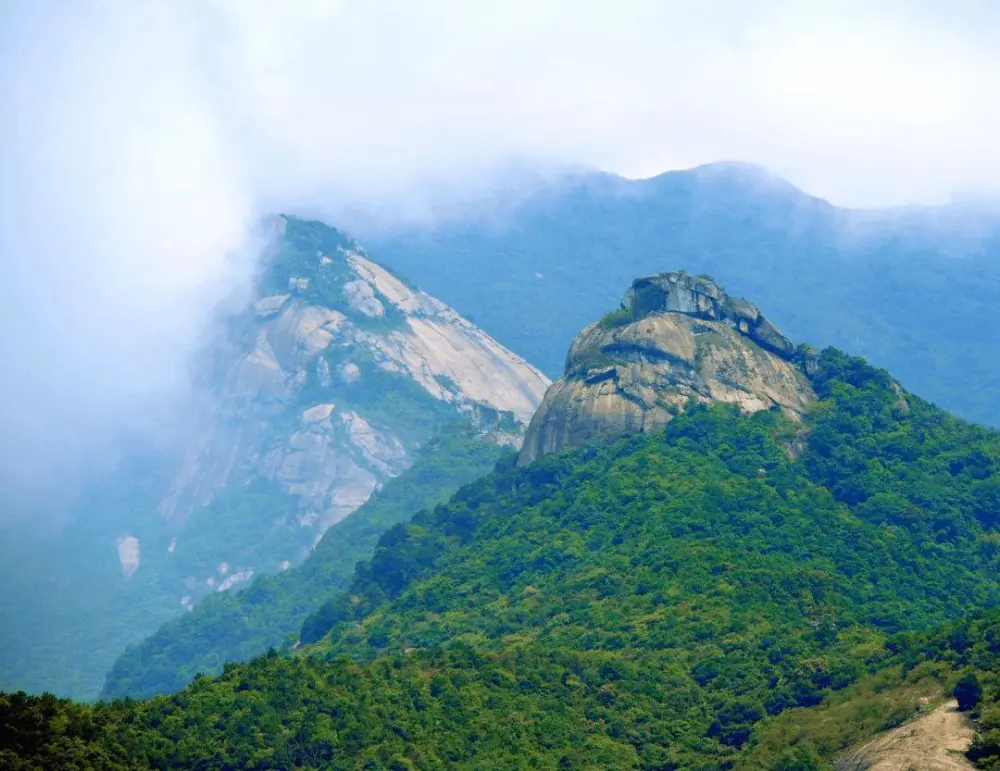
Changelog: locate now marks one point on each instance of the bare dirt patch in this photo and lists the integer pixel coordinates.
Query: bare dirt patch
(935, 741)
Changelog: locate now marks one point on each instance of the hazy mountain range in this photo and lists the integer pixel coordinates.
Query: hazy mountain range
(909, 289)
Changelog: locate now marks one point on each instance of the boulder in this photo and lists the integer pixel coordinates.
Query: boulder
(676, 340)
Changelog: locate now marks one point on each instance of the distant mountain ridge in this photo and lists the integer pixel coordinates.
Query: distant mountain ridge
(909, 288)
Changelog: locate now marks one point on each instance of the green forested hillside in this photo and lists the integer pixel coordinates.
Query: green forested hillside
(652, 604)
(960, 658)
(237, 626)
(919, 485)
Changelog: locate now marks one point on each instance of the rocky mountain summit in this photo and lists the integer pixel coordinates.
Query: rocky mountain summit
(675, 338)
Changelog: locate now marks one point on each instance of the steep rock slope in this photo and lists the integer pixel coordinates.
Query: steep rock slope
(330, 388)
(340, 377)
(675, 340)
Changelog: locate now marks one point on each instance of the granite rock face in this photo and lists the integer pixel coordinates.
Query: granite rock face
(701, 298)
(675, 339)
(335, 377)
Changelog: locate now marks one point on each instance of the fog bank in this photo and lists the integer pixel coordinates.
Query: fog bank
(145, 140)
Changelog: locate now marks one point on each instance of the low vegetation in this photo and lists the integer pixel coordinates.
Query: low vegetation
(616, 318)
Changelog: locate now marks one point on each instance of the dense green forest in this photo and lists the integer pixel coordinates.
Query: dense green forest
(239, 625)
(659, 603)
(910, 290)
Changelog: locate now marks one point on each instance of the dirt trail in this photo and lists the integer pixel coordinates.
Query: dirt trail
(933, 742)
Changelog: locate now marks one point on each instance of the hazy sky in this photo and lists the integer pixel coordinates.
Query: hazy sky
(141, 138)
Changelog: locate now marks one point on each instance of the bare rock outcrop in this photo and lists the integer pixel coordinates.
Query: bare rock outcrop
(934, 740)
(128, 554)
(675, 339)
(326, 376)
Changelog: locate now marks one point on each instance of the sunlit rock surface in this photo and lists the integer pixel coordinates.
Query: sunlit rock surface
(675, 339)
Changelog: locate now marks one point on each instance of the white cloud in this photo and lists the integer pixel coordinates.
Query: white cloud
(867, 104)
(141, 139)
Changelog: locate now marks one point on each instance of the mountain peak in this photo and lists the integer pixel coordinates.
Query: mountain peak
(336, 377)
(675, 339)
(701, 297)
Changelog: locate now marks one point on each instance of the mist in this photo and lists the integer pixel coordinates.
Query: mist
(143, 142)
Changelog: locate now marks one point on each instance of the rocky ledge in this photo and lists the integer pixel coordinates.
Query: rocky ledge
(676, 339)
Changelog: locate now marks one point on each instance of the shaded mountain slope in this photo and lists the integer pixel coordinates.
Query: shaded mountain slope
(321, 390)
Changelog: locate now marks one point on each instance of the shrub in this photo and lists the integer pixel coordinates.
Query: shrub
(968, 692)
